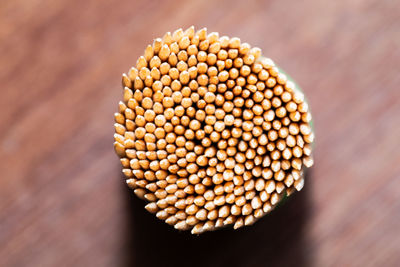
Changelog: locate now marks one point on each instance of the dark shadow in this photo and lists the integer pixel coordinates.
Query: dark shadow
(278, 239)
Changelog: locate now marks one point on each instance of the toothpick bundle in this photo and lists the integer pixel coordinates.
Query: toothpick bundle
(209, 132)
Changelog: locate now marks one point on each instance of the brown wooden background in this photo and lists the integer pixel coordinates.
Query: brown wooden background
(63, 201)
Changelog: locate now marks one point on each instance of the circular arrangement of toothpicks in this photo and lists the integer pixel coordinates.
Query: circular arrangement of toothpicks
(209, 132)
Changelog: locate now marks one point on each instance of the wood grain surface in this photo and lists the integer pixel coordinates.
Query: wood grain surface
(63, 201)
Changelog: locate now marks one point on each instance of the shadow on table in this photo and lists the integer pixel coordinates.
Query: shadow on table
(278, 239)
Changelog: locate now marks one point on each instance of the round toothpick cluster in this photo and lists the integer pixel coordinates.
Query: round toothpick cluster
(209, 132)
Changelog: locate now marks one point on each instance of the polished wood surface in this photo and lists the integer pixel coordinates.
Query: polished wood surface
(63, 201)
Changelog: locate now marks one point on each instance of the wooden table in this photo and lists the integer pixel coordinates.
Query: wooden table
(63, 201)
